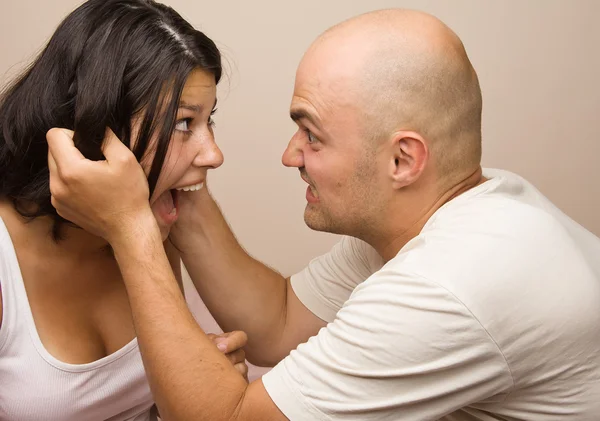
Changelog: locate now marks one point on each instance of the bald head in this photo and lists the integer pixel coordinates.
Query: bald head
(406, 70)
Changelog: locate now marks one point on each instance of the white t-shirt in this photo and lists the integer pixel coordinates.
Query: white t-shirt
(36, 386)
(491, 313)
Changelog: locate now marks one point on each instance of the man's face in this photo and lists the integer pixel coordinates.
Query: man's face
(331, 152)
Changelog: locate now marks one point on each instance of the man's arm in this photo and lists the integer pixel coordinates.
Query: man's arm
(240, 292)
(233, 342)
(175, 262)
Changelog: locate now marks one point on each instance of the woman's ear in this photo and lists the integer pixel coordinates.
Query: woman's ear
(408, 159)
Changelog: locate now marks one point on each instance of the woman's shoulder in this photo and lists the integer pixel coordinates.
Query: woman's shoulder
(8, 217)
(7, 212)
(3, 210)
(2, 229)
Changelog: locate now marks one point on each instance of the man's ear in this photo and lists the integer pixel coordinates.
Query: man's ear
(408, 158)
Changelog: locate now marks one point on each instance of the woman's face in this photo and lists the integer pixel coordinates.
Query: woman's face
(192, 150)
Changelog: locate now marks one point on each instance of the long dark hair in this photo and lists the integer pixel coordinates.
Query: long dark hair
(107, 62)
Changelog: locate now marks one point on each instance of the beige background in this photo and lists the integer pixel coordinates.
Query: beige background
(538, 61)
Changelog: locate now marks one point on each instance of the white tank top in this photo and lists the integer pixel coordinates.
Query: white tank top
(35, 386)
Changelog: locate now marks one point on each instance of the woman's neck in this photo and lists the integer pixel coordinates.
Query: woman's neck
(37, 233)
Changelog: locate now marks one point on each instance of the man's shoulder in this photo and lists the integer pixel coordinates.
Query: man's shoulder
(508, 263)
(356, 251)
(501, 211)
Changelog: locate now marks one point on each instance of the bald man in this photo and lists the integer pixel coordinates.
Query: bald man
(455, 293)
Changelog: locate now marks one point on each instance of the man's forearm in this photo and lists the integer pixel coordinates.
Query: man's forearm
(189, 377)
(240, 292)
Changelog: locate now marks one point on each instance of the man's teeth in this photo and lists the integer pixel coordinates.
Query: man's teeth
(194, 187)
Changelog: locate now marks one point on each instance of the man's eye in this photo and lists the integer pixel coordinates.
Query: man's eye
(311, 137)
(182, 125)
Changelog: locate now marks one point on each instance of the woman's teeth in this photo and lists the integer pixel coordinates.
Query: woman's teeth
(194, 187)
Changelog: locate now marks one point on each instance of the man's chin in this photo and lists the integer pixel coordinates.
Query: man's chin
(316, 221)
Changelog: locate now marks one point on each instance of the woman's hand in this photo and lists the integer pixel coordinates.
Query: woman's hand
(232, 343)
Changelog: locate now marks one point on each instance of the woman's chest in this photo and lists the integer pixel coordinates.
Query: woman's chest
(80, 311)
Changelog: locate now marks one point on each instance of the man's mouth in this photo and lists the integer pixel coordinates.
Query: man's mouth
(313, 190)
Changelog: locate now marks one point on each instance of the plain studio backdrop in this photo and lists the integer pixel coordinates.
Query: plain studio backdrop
(538, 62)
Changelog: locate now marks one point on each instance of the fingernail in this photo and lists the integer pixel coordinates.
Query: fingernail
(222, 346)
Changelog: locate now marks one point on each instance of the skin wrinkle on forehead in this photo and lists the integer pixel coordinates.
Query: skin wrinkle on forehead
(325, 106)
(334, 89)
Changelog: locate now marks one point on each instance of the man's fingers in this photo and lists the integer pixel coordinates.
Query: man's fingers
(241, 335)
(232, 341)
(61, 147)
(242, 368)
(113, 149)
(236, 357)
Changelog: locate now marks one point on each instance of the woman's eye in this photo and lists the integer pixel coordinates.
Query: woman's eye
(211, 121)
(183, 125)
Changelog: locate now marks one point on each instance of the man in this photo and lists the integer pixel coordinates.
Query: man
(456, 293)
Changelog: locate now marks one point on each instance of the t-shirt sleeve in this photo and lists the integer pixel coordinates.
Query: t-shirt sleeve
(401, 348)
(327, 282)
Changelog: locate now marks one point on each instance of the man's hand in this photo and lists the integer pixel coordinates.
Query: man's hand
(193, 225)
(107, 198)
(232, 344)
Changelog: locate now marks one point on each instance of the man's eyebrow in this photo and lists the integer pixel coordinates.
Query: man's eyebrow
(193, 107)
(300, 114)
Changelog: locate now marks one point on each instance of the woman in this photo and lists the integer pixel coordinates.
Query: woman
(67, 343)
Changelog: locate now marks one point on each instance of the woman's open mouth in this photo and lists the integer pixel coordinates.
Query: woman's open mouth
(165, 207)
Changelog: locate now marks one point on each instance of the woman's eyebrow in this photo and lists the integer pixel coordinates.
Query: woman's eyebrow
(192, 107)
(197, 108)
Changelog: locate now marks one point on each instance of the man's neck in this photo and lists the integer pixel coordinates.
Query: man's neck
(403, 223)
